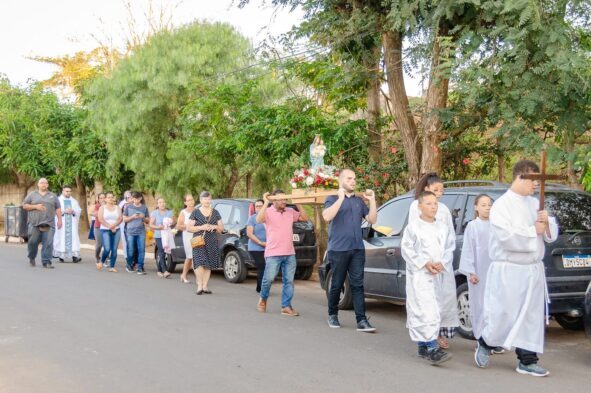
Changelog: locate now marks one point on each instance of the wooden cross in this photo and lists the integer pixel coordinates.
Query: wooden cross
(542, 177)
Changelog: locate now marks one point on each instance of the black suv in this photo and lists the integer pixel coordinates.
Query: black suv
(567, 261)
(235, 258)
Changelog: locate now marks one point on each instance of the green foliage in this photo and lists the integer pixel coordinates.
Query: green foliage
(526, 69)
(39, 136)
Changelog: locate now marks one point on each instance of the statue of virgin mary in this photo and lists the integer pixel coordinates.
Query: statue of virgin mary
(317, 152)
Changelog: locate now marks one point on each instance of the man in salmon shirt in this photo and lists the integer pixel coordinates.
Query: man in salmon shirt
(279, 251)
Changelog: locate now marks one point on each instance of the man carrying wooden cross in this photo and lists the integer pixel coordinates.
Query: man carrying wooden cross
(516, 294)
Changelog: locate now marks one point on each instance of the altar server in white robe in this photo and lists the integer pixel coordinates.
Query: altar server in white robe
(516, 295)
(446, 282)
(475, 261)
(426, 245)
(66, 242)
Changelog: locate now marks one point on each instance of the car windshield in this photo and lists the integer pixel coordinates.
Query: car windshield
(572, 210)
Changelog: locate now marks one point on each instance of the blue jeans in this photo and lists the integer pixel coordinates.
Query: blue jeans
(429, 344)
(342, 263)
(46, 240)
(110, 244)
(136, 244)
(287, 264)
(160, 255)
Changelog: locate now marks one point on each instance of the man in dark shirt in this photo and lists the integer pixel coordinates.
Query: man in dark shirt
(44, 212)
(346, 252)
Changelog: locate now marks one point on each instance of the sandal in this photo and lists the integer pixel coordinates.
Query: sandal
(443, 343)
(99, 266)
(184, 280)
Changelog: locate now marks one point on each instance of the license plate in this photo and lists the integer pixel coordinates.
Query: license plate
(296, 237)
(575, 261)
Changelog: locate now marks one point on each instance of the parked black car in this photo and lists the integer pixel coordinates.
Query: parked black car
(235, 258)
(567, 261)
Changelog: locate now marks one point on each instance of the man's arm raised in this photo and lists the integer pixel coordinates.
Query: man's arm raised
(330, 212)
(261, 216)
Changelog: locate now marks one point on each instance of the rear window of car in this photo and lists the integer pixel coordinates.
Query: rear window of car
(571, 209)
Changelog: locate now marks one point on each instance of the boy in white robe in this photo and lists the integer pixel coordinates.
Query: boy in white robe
(424, 246)
(516, 293)
(446, 281)
(66, 242)
(475, 261)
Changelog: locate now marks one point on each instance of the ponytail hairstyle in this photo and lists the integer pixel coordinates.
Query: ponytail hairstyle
(478, 198)
(427, 180)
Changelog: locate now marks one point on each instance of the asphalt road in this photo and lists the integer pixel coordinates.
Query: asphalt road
(75, 329)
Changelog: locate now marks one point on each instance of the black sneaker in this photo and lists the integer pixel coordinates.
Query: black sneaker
(437, 356)
(423, 352)
(32, 262)
(364, 326)
(141, 271)
(333, 322)
(129, 269)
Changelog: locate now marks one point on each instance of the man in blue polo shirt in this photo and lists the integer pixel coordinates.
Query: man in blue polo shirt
(346, 253)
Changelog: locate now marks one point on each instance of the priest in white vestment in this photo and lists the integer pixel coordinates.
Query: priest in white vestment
(516, 294)
(66, 242)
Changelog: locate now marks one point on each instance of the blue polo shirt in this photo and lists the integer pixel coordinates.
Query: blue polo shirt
(344, 231)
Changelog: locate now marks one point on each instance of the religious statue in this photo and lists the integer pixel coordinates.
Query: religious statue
(317, 152)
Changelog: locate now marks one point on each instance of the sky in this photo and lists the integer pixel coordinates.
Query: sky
(58, 27)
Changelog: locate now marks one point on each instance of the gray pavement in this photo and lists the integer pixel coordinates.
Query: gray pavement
(75, 329)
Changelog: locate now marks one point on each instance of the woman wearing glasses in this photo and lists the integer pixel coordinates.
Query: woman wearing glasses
(257, 240)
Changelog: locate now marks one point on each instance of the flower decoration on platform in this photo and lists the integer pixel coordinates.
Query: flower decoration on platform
(325, 176)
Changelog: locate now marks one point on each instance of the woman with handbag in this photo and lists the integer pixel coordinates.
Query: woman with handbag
(183, 225)
(205, 223)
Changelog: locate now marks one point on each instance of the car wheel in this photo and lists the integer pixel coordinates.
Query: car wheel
(235, 269)
(170, 263)
(570, 323)
(346, 297)
(304, 273)
(465, 328)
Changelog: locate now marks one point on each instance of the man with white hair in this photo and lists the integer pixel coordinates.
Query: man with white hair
(45, 214)
(66, 242)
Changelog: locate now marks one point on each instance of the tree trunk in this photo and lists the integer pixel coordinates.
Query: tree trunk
(500, 162)
(248, 180)
(374, 132)
(436, 101)
(82, 200)
(570, 157)
(23, 181)
(231, 182)
(403, 118)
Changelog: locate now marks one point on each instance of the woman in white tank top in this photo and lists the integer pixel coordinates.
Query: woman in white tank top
(182, 224)
(110, 217)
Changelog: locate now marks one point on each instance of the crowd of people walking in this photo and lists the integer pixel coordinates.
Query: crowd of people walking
(502, 252)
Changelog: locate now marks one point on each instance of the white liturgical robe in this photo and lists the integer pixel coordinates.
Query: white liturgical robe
(516, 292)
(66, 241)
(475, 260)
(423, 242)
(445, 282)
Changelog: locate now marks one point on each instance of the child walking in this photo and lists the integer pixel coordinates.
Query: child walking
(475, 261)
(425, 244)
(445, 282)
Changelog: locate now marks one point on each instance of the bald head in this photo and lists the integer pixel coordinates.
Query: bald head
(347, 180)
(43, 184)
